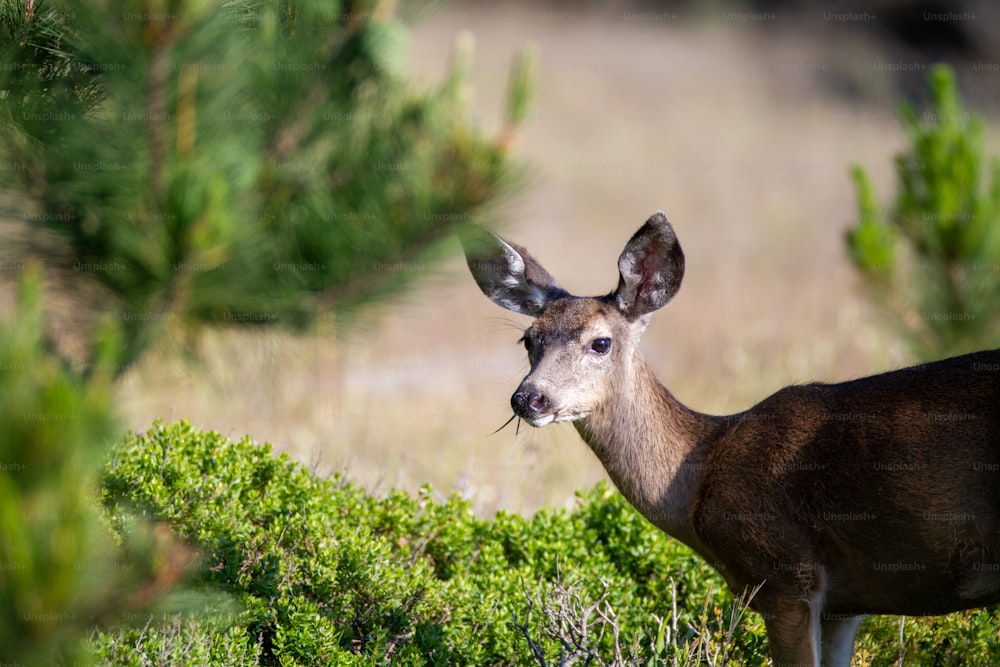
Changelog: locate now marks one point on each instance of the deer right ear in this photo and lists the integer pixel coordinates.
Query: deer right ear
(650, 268)
(507, 274)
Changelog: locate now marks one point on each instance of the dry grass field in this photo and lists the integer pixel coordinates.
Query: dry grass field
(743, 132)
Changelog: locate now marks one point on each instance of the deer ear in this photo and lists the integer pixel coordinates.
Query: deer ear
(507, 274)
(650, 268)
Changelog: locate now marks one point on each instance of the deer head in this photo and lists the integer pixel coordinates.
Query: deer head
(580, 348)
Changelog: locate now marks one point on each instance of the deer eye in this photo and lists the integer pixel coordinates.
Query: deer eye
(600, 345)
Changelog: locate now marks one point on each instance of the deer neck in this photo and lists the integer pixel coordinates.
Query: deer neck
(653, 447)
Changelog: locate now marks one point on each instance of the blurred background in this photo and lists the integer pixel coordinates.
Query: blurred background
(740, 121)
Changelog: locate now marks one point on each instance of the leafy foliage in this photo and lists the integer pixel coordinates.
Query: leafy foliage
(933, 259)
(966, 638)
(328, 574)
(54, 566)
(325, 573)
(61, 573)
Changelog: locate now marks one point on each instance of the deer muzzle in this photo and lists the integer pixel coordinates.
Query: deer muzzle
(532, 405)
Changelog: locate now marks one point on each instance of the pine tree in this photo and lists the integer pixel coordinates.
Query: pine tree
(246, 163)
(932, 260)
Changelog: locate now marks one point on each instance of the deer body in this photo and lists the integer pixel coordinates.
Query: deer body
(878, 495)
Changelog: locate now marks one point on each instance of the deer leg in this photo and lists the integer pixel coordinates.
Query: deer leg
(793, 635)
(838, 640)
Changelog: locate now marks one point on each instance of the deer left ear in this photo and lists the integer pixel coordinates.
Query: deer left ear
(651, 268)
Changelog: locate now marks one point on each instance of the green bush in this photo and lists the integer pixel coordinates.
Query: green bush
(328, 574)
(61, 571)
(956, 640)
(151, 640)
(58, 569)
(933, 259)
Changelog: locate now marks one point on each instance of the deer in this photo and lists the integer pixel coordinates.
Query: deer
(879, 495)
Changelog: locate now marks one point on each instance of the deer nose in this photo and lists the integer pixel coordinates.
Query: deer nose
(529, 402)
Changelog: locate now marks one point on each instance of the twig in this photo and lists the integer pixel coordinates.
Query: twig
(536, 651)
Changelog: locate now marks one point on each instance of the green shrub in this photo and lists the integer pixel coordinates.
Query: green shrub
(177, 639)
(932, 260)
(61, 571)
(58, 569)
(957, 640)
(328, 574)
